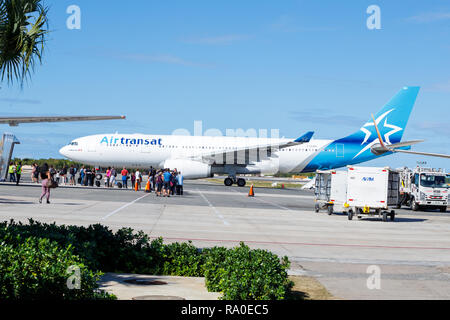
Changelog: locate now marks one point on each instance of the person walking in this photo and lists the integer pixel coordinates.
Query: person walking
(12, 172)
(124, 174)
(46, 183)
(18, 172)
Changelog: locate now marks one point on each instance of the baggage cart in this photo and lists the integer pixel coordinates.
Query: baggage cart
(371, 191)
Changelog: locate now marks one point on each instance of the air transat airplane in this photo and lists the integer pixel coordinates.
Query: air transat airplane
(203, 156)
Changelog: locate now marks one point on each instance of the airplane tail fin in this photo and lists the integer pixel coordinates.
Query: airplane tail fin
(391, 119)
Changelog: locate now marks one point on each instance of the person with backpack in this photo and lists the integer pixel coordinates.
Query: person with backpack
(72, 175)
(63, 175)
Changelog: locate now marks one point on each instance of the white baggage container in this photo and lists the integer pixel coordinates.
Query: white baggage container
(371, 190)
(330, 190)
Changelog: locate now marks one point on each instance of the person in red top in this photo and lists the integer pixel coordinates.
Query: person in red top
(124, 174)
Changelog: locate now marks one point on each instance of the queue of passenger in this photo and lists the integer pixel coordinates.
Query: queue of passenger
(164, 182)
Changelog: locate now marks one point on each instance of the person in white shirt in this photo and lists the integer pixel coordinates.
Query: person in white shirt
(138, 179)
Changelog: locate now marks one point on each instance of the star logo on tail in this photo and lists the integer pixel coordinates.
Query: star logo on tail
(368, 133)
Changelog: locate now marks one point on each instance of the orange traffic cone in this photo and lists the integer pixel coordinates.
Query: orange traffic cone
(251, 193)
(148, 188)
(136, 186)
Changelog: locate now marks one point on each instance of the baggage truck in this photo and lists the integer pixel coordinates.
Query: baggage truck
(330, 190)
(423, 188)
(371, 191)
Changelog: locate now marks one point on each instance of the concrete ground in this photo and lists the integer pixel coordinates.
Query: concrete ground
(411, 254)
(156, 287)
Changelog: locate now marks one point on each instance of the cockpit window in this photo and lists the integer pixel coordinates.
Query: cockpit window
(73, 143)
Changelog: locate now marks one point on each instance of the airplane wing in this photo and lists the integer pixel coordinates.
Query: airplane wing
(382, 148)
(424, 153)
(14, 121)
(241, 155)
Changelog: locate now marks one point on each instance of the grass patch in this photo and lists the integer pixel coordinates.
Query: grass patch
(309, 288)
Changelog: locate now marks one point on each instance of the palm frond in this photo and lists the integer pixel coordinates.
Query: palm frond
(23, 30)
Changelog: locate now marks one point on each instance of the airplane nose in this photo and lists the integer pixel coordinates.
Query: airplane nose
(63, 151)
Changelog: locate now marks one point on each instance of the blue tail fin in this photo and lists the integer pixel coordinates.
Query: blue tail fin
(391, 119)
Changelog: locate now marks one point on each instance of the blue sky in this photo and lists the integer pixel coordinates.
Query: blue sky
(289, 65)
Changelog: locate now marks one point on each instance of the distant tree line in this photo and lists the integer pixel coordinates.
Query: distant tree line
(57, 163)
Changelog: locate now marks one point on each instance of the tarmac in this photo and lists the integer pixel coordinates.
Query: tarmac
(411, 254)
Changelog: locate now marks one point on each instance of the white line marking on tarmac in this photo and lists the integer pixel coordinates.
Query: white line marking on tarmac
(268, 202)
(259, 194)
(214, 209)
(124, 206)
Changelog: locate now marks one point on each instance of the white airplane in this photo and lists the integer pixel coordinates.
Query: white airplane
(203, 156)
(14, 121)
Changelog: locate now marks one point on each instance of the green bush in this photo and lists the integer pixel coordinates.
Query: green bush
(239, 273)
(244, 274)
(102, 249)
(37, 269)
(182, 259)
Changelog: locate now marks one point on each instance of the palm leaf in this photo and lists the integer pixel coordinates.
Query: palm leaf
(23, 30)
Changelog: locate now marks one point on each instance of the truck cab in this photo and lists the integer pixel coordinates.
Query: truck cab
(428, 189)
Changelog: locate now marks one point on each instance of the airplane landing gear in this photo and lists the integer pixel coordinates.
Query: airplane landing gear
(229, 181)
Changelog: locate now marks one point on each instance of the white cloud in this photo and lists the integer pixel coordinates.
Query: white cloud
(430, 17)
(439, 87)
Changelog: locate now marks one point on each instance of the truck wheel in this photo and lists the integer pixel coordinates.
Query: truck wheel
(443, 209)
(330, 210)
(385, 216)
(316, 207)
(414, 205)
(350, 214)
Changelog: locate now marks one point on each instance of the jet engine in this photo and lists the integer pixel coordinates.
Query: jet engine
(190, 169)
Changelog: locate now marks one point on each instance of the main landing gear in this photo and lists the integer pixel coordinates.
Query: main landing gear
(230, 180)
